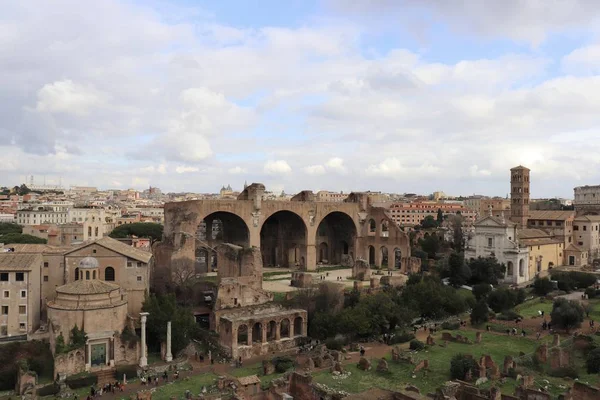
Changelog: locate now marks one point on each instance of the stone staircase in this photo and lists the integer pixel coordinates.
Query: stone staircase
(105, 376)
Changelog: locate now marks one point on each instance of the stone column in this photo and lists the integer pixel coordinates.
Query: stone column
(143, 357)
(264, 332)
(278, 331)
(169, 356)
(88, 364)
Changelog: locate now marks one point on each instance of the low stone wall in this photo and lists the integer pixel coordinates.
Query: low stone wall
(69, 363)
(259, 349)
(179, 363)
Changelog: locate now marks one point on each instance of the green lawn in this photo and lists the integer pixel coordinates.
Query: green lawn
(497, 346)
(255, 369)
(530, 308)
(193, 383)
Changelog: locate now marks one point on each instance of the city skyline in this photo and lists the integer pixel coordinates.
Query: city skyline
(381, 96)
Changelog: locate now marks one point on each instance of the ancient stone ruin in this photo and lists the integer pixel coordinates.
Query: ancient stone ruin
(447, 336)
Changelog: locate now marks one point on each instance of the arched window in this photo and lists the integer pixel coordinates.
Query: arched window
(93, 274)
(372, 227)
(87, 275)
(298, 326)
(385, 232)
(109, 274)
(521, 268)
(76, 274)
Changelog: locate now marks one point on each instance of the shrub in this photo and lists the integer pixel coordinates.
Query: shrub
(76, 382)
(416, 345)
(282, 364)
(130, 371)
(567, 314)
(480, 313)
(542, 286)
(334, 344)
(48, 390)
(402, 337)
(460, 365)
(451, 326)
(569, 280)
(592, 361)
(590, 292)
(512, 373)
(481, 290)
(502, 299)
(564, 372)
(508, 315)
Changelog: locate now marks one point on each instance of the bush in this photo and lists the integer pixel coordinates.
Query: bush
(416, 345)
(482, 290)
(334, 344)
(508, 315)
(451, 326)
(282, 364)
(502, 299)
(564, 372)
(460, 365)
(542, 286)
(512, 373)
(76, 382)
(48, 390)
(590, 292)
(480, 313)
(567, 314)
(569, 280)
(130, 371)
(592, 361)
(402, 337)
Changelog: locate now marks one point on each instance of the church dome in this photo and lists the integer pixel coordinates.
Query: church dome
(88, 263)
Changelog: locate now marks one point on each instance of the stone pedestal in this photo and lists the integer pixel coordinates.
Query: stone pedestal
(169, 356)
(144, 356)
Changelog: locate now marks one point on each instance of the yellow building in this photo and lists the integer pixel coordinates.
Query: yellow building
(545, 251)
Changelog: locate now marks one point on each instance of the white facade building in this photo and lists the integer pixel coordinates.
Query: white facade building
(41, 215)
(493, 236)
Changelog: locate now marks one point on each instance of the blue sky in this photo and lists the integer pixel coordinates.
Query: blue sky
(391, 95)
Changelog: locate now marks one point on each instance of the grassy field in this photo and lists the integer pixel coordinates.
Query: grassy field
(530, 308)
(194, 383)
(400, 374)
(255, 369)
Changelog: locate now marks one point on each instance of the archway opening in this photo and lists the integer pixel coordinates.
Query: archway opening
(284, 328)
(384, 256)
(338, 231)
(385, 231)
(257, 333)
(109, 274)
(397, 258)
(509, 269)
(521, 268)
(242, 336)
(371, 255)
(271, 331)
(218, 227)
(283, 240)
(372, 227)
(298, 326)
(323, 253)
(76, 274)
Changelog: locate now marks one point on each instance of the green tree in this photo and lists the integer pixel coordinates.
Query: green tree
(502, 299)
(430, 245)
(149, 230)
(78, 337)
(440, 217)
(459, 272)
(413, 279)
(7, 227)
(164, 308)
(480, 313)
(567, 314)
(592, 361)
(429, 222)
(430, 298)
(542, 286)
(460, 365)
(458, 238)
(11, 238)
(486, 270)
(481, 291)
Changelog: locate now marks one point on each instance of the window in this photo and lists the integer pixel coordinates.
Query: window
(87, 275)
(6, 294)
(109, 274)
(22, 310)
(138, 264)
(129, 264)
(575, 227)
(23, 294)
(45, 278)
(4, 310)
(45, 265)
(4, 277)
(585, 228)
(139, 278)
(94, 251)
(490, 242)
(20, 276)
(22, 326)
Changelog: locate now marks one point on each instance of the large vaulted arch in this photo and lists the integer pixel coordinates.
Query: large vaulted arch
(337, 233)
(283, 240)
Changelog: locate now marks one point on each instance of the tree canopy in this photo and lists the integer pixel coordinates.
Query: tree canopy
(429, 222)
(11, 238)
(486, 270)
(459, 272)
(567, 314)
(8, 227)
(430, 245)
(140, 229)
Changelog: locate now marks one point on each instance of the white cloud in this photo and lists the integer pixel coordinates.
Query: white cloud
(475, 171)
(67, 96)
(237, 170)
(279, 167)
(314, 170)
(585, 59)
(336, 164)
(182, 169)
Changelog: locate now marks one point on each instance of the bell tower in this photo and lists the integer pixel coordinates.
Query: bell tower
(519, 195)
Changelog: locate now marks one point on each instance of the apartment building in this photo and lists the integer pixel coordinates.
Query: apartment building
(411, 214)
(324, 195)
(41, 215)
(19, 293)
(586, 234)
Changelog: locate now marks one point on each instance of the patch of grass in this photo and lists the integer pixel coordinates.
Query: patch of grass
(209, 278)
(177, 389)
(530, 308)
(154, 358)
(331, 268)
(275, 273)
(255, 369)
(278, 278)
(279, 296)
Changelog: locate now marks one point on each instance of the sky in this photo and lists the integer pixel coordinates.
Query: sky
(383, 95)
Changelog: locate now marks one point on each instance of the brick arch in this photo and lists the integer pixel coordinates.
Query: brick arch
(283, 239)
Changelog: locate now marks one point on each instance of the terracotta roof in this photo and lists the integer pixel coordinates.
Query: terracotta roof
(87, 287)
(120, 248)
(38, 248)
(506, 222)
(18, 262)
(589, 218)
(249, 380)
(530, 233)
(540, 241)
(572, 247)
(551, 215)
